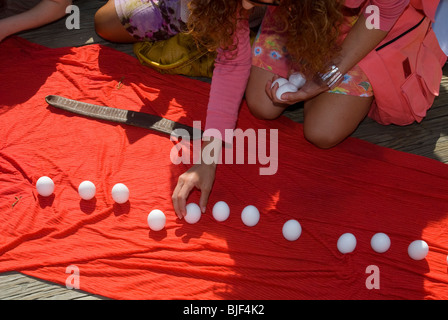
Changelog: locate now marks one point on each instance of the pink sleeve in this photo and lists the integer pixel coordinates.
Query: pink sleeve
(389, 11)
(228, 85)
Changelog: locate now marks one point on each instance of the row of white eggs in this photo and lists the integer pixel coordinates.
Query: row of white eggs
(291, 230)
(380, 242)
(87, 190)
(250, 216)
(221, 211)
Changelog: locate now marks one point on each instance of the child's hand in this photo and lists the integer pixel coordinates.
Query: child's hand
(200, 176)
(308, 91)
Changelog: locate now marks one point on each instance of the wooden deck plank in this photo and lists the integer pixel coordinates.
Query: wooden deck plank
(17, 286)
(56, 35)
(428, 139)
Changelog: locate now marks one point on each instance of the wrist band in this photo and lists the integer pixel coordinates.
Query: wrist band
(332, 77)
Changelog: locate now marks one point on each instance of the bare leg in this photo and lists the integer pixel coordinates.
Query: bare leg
(258, 101)
(329, 118)
(109, 27)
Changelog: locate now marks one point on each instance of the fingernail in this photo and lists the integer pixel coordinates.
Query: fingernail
(203, 209)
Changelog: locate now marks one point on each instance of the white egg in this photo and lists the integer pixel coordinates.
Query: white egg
(120, 193)
(297, 79)
(193, 213)
(292, 230)
(86, 190)
(250, 216)
(221, 211)
(418, 249)
(287, 87)
(45, 186)
(156, 220)
(380, 242)
(346, 243)
(280, 81)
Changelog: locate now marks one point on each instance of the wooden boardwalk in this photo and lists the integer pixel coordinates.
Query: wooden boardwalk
(428, 139)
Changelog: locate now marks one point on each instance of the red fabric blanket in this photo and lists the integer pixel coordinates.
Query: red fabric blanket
(356, 187)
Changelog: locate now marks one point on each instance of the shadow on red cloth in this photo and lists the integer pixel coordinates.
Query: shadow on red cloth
(356, 187)
(17, 73)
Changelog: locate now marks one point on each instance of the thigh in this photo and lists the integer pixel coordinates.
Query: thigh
(109, 26)
(331, 117)
(260, 105)
(137, 20)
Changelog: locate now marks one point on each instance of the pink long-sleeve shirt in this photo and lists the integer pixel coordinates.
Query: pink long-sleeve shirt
(230, 75)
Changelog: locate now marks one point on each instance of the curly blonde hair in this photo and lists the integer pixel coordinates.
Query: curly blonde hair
(312, 28)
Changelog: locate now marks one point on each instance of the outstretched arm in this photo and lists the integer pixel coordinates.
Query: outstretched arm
(227, 89)
(43, 13)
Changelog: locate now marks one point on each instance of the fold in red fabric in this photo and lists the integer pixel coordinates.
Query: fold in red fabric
(356, 187)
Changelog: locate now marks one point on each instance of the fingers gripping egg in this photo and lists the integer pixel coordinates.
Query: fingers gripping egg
(287, 87)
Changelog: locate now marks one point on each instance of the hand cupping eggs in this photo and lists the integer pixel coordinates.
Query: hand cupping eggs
(292, 84)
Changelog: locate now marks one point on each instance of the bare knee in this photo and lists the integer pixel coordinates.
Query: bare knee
(260, 105)
(263, 109)
(322, 138)
(108, 25)
(330, 118)
(262, 113)
(101, 19)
